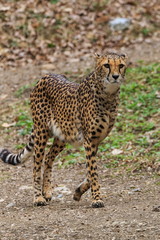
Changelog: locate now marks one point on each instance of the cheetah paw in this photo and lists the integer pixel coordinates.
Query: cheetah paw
(40, 201)
(47, 196)
(77, 195)
(97, 204)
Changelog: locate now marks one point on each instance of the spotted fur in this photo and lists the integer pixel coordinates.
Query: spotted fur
(75, 113)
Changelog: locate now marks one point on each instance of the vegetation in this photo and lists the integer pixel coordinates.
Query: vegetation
(81, 25)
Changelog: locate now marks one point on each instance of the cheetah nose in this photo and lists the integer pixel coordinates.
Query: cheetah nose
(115, 76)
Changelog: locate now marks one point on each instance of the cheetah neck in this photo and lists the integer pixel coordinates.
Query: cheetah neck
(95, 83)
(91, 92)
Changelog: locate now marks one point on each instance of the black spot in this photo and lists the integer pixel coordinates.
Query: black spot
(38, 163)
(28, 148)
(38, 155)
(88, 148)
(88, 157)
(93, 161)
(99, 130)
(31, 144)
(93, 154)
(94, 137)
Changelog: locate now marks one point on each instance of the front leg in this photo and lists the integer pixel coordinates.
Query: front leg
(91, 150)
(81, 189)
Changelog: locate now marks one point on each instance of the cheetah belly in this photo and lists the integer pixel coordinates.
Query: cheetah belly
(77, 139)
(74, 137)
(57, 132)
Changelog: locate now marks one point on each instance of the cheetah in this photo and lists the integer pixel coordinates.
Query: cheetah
(69, 112)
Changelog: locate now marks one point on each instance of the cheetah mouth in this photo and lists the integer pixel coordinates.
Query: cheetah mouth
(111, 87)
(115, 82)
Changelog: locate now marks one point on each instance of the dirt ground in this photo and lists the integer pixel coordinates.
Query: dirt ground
(131, 201)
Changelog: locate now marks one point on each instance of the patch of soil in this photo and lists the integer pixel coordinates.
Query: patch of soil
(129, 212)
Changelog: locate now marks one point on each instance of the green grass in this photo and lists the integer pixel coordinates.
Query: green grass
(24, 89)
(136, 131)
(54, 1)
(24, 123)
(4, 176)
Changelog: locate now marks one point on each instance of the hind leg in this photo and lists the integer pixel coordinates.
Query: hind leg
(41, 136)
(81, 189)
(56, 148)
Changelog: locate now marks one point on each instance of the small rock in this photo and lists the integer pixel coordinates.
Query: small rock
(119, 24)
(114, 238)
(156, 209)
(115, 224)
(10, 205)
(60, 196)
(25, 187)
(117, 151)
(55, 198)
(140, 230)
(136, 190)
(1, 200)
(62, 189)
(130, 193)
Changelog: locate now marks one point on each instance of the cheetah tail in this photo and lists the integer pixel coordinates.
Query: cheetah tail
(15, 159)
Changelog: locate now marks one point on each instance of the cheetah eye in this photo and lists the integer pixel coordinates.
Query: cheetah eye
(121, 65)
(106, 65)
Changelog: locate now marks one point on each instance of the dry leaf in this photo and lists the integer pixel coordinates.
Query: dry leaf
(6, 125)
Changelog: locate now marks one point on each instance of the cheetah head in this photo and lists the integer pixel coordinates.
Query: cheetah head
(110, 69)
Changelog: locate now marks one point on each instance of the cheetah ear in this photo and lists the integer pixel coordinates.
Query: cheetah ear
(97, 56)
(124, 56)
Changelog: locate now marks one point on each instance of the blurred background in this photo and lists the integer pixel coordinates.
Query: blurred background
(67, 32)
